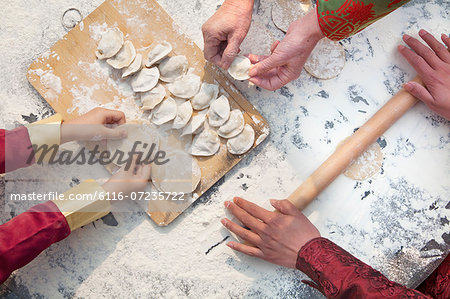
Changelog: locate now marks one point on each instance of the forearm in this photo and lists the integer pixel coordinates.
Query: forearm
(246, 5)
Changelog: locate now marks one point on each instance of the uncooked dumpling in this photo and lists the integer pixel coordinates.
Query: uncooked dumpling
(233, 126)
(164, 112)
(134, 67)
(195, 125)
(327, 59)
(207, 94)
(241, 143)
(158, 53)
(184, 113)
(173, 68)
(145, 80)
(186, 87)
(153, 97)
(239, 68)
(125, 56)
(219, 112)
(180, 174)
(110, 43)
(207, 143)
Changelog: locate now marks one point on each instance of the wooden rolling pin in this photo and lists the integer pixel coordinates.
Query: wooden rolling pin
(353, 147)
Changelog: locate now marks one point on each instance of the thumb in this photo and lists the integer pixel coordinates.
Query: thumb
(420, 92)
(231, 51)
(266, 65)
(284, 206)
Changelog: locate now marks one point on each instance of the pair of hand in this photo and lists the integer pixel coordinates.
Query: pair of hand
(100, 124)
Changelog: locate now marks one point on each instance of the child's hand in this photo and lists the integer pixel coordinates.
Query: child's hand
(94, 125)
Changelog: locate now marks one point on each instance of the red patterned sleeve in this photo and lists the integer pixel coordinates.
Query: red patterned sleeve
(338, 274)
(15, 149)
(340, 19)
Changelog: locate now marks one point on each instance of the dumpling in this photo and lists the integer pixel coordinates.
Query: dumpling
(195, 125)
(134, 67)
(207, 143)
(239, 68)
(110, 44)
(125, 56)
(153, 97)
(219, 112)
(184, 113)
(145, 80)
(233, 126)
(164, 112)
(173, 68)
(207, 94)
(186, 87)
(158, 53)
(241, 143)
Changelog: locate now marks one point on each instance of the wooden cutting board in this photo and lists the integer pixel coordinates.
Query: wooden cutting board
(83, 82)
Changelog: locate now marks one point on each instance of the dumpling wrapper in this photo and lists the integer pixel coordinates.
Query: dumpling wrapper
(145, 80)
(153, 97)
(327, 60)
(164, 112)
(219, 111)
(243, 142)
(124, 58)
(180, 174)
(184, 114)
(110, 43)
(233, 126)
(207, 143)
(186, 87)
(239, 68)
(134, 67)
(207, 94)
(195, 125)
(173, 68)
(158, 53)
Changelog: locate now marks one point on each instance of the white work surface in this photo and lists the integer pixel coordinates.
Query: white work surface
(398, 221)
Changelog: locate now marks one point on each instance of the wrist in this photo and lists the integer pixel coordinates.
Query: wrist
(245, 6)
(312, 21)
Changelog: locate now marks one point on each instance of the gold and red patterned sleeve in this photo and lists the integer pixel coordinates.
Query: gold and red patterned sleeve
(339, 19)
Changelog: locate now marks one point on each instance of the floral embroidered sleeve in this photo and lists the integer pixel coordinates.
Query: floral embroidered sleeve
(340, 19)
(338, 274)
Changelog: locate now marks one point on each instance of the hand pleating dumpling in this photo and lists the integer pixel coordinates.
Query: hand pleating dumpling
(207, 94)
(145, 80)
(173, 68)
(233, 126)
(164, 112)
(151, 98)
(110, 43)
(241, 143)
(219, 111)
(158, 53)
(185, 87)
(239, 68)
(125, 56)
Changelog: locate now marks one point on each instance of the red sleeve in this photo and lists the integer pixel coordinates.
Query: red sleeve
(337, 274)
(27, 235)
(437, 284)
(15, 149)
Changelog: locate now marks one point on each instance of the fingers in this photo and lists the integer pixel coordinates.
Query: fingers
(274, 46)
(423, 51)
(212, 50)
(285, 207)
(248, 250)
(244, 217)
(144, 171)
(420, 92)
(440, 50)
(254, 210)
(416, 61)
(231, 51)
(254, 59)
(445, 39)
(113, 117)
(243, 233)
(266, 65)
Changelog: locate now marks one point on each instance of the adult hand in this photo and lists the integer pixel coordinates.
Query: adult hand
(94, 125)
(224, 32)
(433, 66)
(277, 237)
(288, 56)
(133, 179)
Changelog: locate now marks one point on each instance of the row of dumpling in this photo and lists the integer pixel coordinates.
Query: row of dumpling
(187, 93)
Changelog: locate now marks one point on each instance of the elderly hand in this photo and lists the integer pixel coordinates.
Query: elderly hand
(224, 32)
(288, 56)
(433, 66)
(94, 125)
(277, 237)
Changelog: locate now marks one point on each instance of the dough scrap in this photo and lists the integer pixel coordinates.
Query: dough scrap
(326, 60)
(207, 94)
(153, 97)
(207, 143)
(243, 142)
(164, 112)
(110, 43)
(239, 68)
(124, 57)
(173, 68)
(366, 165)
(158, 53)
(134, 67)
(219, 111)
(185, 87)
(233, 126)
(284, 12)
(184, 114)
(195, 125)
(145, 80)
(180, 174)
